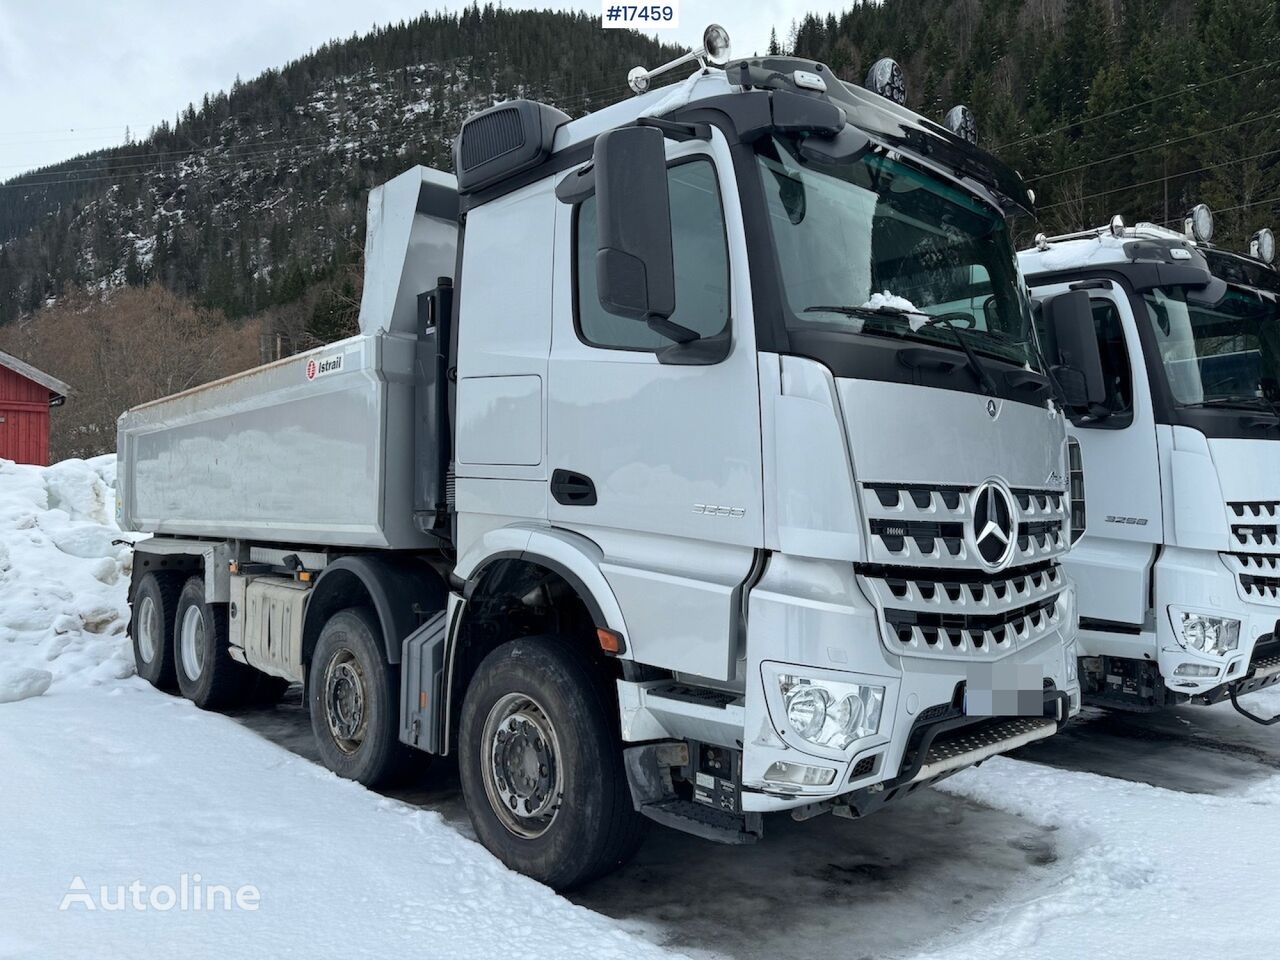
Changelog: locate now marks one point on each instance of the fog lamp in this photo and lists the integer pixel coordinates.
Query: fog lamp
(1195, 670)
(829, 713)
(1216, 636)
(799, 774)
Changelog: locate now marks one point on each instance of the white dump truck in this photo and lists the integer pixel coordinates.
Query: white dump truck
(695, 460)
(1179, 572)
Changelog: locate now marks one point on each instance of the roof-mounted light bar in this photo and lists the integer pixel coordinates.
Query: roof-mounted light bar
(713, 52)
(960, 121)
(887, 79)
(1262, 246)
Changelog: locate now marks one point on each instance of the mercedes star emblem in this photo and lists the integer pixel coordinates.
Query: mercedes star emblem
(994, 524)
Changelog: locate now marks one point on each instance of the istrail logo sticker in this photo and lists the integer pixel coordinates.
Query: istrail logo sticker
(323, 366)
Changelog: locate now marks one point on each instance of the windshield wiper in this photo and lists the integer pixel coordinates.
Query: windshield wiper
(1246, 402)
(984, 377)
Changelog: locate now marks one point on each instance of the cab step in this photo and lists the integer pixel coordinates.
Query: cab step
(709, 823)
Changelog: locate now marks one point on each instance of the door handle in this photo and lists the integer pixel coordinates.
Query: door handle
(572, 489)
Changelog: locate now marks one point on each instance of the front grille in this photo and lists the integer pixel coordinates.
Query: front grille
(1258, 575)
(1254, 523)
(1255, 545)
(935, 595)
(923, 525)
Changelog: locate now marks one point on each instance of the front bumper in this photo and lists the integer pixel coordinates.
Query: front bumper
(810, 618)
(1200, 581)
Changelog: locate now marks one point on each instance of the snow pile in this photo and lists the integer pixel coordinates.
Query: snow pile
(62, 578)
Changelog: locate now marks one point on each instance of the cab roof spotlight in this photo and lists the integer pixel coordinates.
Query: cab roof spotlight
(1117, 226)
(960, 121)
(1262, 246)
(1199, 223)
(713, 52)
(887, 79)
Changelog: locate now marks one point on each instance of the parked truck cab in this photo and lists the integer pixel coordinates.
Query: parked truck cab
(695, 460)
(1179, 570)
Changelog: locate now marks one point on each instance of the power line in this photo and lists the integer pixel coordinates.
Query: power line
(1134, 106)
(1162, 179)
(1154, 146)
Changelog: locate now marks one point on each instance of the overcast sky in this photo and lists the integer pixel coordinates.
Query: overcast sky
(75, 73)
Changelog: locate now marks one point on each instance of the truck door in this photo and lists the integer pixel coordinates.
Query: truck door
(659, 464)
(1112, 563)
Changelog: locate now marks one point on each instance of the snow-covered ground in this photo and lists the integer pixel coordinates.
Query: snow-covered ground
(1124, 835)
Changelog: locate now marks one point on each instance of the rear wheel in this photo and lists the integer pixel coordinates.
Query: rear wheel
(354, 699)
(541, 765)
(151, 628)
(207, 674)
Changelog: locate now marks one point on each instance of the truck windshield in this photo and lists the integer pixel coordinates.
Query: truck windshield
(1227, 354)
(875, 247)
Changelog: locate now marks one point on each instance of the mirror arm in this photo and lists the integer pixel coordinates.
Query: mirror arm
(680, 132)
(671, 330)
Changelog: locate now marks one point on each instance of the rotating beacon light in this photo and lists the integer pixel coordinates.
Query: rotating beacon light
(714, 52)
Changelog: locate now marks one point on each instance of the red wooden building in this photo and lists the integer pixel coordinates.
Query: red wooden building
(26, 394)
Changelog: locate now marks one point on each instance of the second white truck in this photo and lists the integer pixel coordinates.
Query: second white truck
(1179, 571)
(695, 460)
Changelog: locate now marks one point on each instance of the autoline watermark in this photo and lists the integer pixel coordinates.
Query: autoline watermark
(190, 894)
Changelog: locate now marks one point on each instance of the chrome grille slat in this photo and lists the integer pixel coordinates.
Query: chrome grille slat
(910, 512)
(1258, 575)
(921, 593)
(1255, 526)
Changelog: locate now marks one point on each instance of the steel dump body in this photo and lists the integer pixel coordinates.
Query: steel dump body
(317, 448)
(271, 454)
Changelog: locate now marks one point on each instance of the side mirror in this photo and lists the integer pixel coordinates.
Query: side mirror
(1077, 362)
(635, 268)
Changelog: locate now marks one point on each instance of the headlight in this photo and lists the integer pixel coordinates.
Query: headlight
(1216, 636)
(831, 714)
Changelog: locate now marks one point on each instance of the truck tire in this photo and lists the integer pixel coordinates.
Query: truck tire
(354, 698)
(541, 765)
(151, 628)
(207, 675)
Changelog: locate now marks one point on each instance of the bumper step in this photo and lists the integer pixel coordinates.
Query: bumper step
(969, 746)
(706, 822)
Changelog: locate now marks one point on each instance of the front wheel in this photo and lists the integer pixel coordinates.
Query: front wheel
(541, 765)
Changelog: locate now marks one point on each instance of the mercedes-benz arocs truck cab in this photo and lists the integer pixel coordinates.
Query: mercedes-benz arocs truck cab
(1179, 570)
(717, 474)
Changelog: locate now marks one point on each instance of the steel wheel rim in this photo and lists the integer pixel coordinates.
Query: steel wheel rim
(192, 642)
(520, 765)
(346, 693)
(148, 629)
